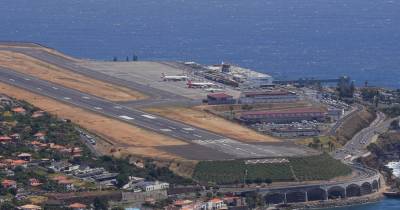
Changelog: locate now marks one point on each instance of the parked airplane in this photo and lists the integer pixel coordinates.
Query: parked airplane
(174, 78)
(191, 84)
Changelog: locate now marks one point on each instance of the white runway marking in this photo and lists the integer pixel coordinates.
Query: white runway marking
(188, 129)
(66, 98)
(126, 117)
(12, 80)
(27, 79)
(98, 108)
(197, 135)
(117, 107)
(166, 130)
(149, 116)
(39, 88)
(171, 127)
(85, 97)
(55, 88)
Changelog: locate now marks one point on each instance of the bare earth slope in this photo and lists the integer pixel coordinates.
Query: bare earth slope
(34, 67)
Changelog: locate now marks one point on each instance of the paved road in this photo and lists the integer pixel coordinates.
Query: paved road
(340, 122)
(356, 147)
(148, 121)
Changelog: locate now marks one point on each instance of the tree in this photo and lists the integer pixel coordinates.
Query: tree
(122, 179)
(100, 203)
(394, 125)
(7, 206)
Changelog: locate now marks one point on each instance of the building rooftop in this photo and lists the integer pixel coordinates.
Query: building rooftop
(288, 111)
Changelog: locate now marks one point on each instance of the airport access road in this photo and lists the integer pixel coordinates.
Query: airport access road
(148, 121)
(356, 147)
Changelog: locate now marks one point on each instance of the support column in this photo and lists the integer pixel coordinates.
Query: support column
(285, 199)
(326, 194)
(306, 196)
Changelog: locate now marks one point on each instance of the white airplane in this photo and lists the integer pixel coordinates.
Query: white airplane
(191, 84)
(174, 78)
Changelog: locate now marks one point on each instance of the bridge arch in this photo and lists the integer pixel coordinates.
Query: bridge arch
(274, 198)
(316, 194)
(295, 196)
(375, 185)
(336, 192)
(353, 190)
(366, 188)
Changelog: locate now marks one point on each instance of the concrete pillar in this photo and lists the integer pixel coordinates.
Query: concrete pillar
(345, 192)
(326, 194)
(285, 199)
(306, 196)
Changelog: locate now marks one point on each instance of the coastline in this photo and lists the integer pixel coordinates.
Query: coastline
(338, 203)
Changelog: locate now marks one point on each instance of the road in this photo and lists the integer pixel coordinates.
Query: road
(356, 147)
(340, 122)
(148, 121)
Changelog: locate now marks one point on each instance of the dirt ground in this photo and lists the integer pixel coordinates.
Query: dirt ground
(34, 67)
(197, 117)
(126, 138)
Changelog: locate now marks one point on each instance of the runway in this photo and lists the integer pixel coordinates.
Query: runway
(120, 111)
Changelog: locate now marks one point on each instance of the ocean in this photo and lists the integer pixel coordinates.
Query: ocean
(285, 38)
(288, 39)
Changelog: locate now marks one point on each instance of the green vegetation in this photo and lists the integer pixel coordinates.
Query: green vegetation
(392, 111)
(323, 143)
(321, 167)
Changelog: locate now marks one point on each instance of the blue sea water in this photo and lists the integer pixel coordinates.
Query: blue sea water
(286, 38)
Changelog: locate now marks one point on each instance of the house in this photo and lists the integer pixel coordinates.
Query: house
(68, 185)
(19, 110)
(37, 114)
(15, 136)
(63, 166)
(5, 139)
(25, 156)
(220, 98)
(39, 136)
(77, 206)
(34, 182)
(283, 116)
(15, 163)
(214, 204)
(29, 207)
(292, 132)
(7, 183)
(151, 186)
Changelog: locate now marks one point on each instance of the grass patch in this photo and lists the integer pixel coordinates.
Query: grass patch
(320, 167)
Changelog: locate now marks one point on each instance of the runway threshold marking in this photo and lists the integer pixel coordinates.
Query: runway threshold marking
(149, 116)
(126, 117)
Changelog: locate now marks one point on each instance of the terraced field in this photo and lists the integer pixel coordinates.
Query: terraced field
(320, 167)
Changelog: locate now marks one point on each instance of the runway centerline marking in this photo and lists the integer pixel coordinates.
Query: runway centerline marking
(98, 108)
(85, 97)
(165, 130)
(188, 129)
(126, 117)
(55, 88)
(67, 98)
